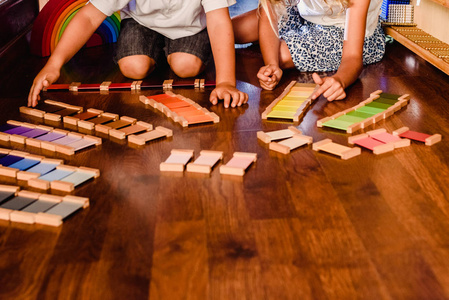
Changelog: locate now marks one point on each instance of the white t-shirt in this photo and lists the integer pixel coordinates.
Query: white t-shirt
(171, 18)
(319, 12)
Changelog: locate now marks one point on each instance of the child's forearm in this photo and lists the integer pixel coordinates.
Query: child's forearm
(77, 33)
(349, 71)
(268, 39)
(221, 37)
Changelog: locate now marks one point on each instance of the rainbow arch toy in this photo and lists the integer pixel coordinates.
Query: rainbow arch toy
(53, 20)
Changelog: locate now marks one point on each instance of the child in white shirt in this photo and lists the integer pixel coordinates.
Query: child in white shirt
(151, 28)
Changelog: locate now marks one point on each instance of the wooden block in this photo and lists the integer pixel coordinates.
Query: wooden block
(96, 140)
(177, 160)
(368, 122)
(49, 197)
(32, 112)
(48, 219)
(9, 188)
(238, 163)
(352, 139)
(143, 138)
(17, 139)
(383, 148)
(57, 103)
(74, 86)
(86, 125)
(101, 119)
(14, 122)
(378, 147)
(387, 138)
(167, 84)
(344, 152)
(22, 217)
(95, 172)
(133, 129)
(102, 128)
(52, 117)
(400, 131)
(268, 137)
(354, 127)
(25, 175)
(70, 120)
(433, 139)
(418, 136)
(122, 122)
(28, 194)
(64, 149)
(8, 172)
(48, 146)
(4, 151)
(84, 201)
(214, 116)
(104, 86)
(18, 153)
(320, 122)
(376, 93)
(145, 100)
(39, 183)
(292, 143)
(43, 203)
(4, 137)
(58, 185)
(136, 85)
(205, 162)
(5, 214)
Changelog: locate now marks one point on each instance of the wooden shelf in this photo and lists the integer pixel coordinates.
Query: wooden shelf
(423, 44)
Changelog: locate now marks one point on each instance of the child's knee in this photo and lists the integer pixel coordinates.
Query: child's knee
(136, 66)
(185, 64)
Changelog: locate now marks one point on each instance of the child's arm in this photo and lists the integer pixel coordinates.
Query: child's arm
(270, 74)
(221, 37)
(333, 88)
(78, 32)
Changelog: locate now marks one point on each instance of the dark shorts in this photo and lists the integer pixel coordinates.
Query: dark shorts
(135, 39)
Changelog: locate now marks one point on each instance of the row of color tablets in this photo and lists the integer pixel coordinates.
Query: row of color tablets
(377, 107)
(180, 109)
(43, 173)
(135, 85)
(31, 207)
(45, 137)
(292, 103)
(179, 158)
(51, 110)
(109, 124)
(284, 140)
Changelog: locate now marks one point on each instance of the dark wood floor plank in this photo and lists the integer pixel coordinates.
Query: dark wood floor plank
(180, 261)
(234, 264)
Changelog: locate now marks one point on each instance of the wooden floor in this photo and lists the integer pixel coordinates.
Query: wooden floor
(306, 225)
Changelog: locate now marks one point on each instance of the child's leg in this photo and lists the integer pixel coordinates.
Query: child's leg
(246, 27)
(185, 64)
(136, 66)
(138, 49)
(188, 56)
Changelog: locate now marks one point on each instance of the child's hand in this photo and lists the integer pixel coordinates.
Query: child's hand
(269, 76)
(45, 78)
(227, 91)
(331, 88)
